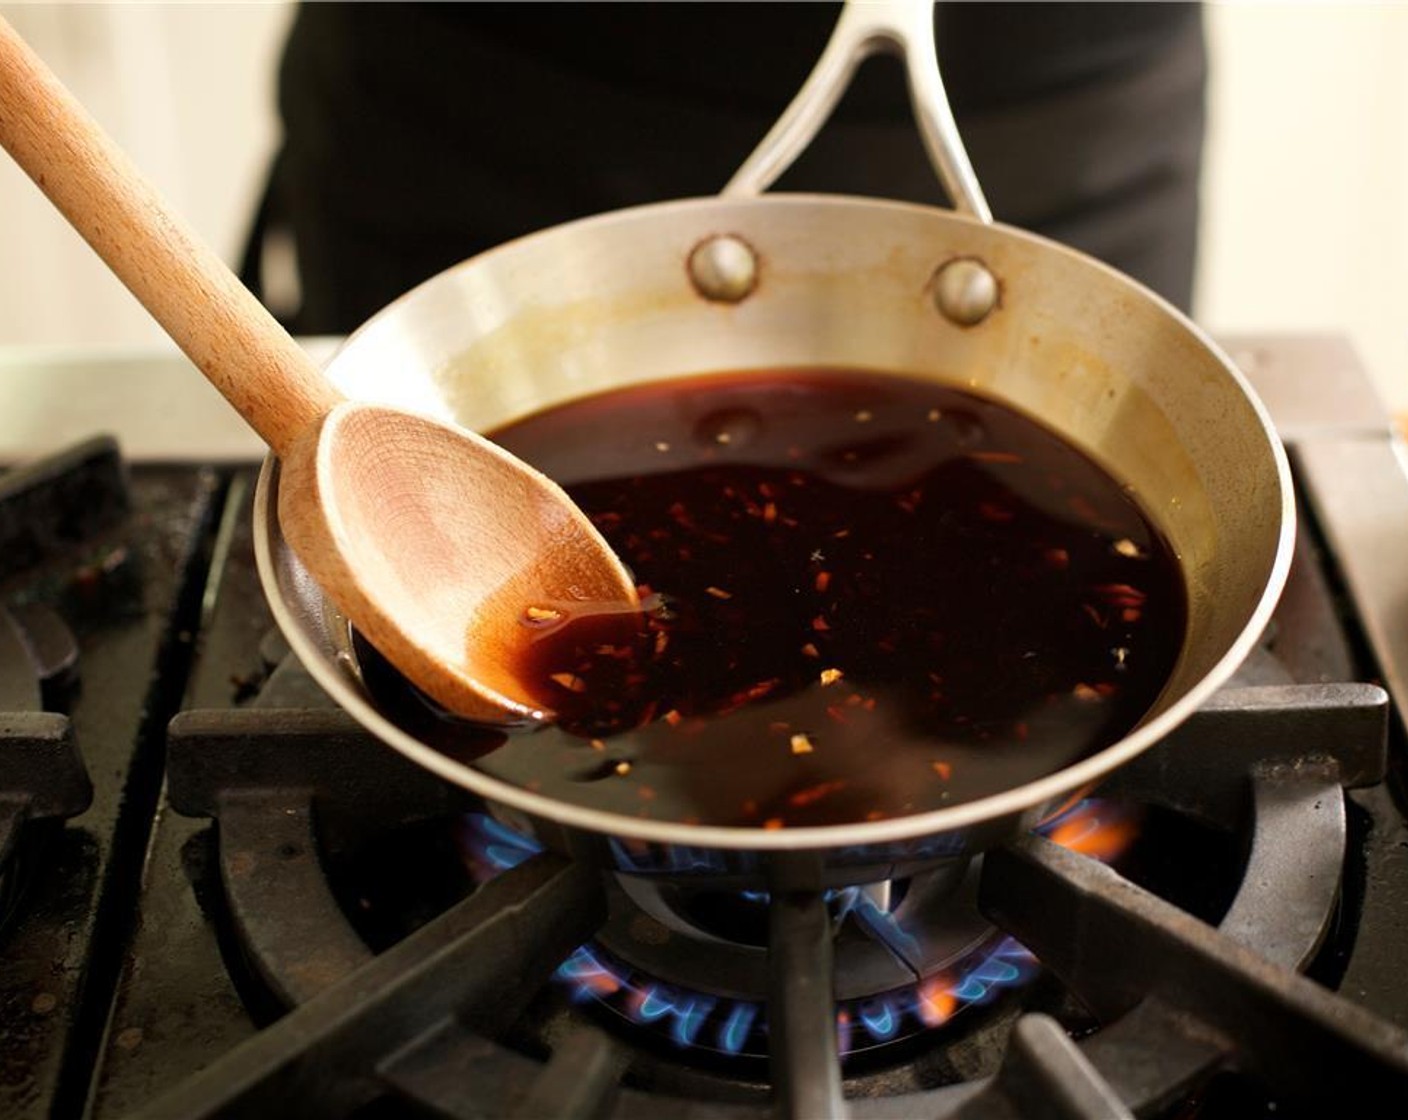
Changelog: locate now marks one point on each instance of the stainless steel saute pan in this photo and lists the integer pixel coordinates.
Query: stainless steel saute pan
(751, 281)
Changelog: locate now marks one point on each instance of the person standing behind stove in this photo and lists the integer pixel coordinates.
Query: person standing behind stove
(416, 136)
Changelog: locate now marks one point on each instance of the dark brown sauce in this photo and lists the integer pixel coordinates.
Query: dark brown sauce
(870, 596)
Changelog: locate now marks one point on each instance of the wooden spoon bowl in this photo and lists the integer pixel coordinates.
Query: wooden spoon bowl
(436, 542)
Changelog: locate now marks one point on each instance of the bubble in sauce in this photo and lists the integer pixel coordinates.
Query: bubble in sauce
(729, 427)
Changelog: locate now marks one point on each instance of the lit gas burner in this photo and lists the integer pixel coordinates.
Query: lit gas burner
(689, 965)
(739, 1027)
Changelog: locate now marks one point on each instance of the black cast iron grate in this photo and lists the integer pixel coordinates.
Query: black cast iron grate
(97, 559)
(1179, 1000)
(45, 507)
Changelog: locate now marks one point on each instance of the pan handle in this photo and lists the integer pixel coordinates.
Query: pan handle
(867, 27)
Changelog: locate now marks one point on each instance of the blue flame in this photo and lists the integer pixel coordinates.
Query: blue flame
(686, 1010)
(691, 1018)
(739, 1026)
(881, 1018)
(586, 976)
(494, 847)
(735, 1030)
(1009, 965)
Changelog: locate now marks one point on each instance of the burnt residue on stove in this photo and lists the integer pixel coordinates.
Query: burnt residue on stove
(103, 568)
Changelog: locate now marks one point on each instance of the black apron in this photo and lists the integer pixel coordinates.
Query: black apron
(416, 136)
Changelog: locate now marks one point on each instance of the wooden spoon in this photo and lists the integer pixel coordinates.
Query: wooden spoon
(431, 540)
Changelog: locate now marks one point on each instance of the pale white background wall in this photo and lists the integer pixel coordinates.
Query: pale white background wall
(188, 90)
(1306, 189)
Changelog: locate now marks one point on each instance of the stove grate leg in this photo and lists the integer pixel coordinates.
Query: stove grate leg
(580, 1080)
(1046, 1077)
(1115, 943)
(489, 952)
(806, 1067)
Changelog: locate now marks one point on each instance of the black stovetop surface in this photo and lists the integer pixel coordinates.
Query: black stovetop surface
(125, 940)
(122, 565)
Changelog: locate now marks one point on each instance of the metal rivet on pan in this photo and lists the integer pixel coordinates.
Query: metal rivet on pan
(724, 268)
(965, 291)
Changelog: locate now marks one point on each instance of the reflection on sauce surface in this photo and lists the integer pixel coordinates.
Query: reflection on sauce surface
(871, 596)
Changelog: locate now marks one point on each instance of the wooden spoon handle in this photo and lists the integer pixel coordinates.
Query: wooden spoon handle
(197, 300)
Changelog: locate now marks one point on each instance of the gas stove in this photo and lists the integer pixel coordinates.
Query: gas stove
(219, 897)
